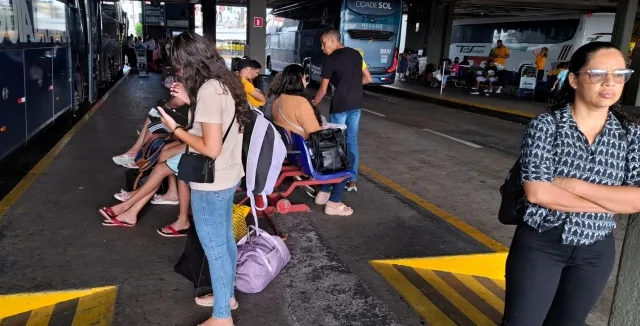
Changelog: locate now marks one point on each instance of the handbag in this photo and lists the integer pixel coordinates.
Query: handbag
(261, 257)
(328, 150)
(198, 168)
(327, 147)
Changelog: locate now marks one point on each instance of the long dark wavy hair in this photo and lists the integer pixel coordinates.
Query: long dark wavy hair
(580, 58)
(197, 60)
(290, 82)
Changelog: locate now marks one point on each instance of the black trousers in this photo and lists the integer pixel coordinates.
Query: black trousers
(552, 284)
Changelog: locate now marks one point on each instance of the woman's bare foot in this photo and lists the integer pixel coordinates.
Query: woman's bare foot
(127, 217)
(218, 322)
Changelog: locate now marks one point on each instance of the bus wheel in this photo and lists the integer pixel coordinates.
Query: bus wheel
(307, 72)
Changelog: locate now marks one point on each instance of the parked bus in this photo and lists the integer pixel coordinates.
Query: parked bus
(561, 34)
(371, 27)
(49, 63)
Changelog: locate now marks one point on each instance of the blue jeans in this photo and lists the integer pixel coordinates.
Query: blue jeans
(212, 216)
(352, 120)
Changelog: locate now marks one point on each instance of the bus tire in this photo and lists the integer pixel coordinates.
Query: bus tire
(307, 71)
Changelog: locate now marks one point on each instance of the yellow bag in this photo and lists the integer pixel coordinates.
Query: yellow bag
(239, 221)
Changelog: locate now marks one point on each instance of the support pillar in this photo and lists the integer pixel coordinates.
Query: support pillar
(439, 33)
(623, 24)
(622, 29)
(626, 298)
(256, 35)
(209, 18)
(434, 33)
(417, 24)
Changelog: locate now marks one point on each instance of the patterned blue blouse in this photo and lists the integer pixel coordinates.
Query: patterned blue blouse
(613, 159)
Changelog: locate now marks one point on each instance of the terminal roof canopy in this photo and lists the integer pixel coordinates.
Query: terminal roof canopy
(487, 8)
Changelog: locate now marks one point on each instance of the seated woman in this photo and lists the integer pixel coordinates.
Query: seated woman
(127, 159)
(294, 112)
(126, 213)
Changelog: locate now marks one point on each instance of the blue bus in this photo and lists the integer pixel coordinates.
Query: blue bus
(54, 57)
(371, 27)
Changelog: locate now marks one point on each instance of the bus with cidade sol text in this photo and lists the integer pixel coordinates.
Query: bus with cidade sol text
(371, 27)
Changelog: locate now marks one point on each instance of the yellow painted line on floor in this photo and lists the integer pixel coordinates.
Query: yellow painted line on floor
(455, 298)
(40, 316)
(478, 105)
(14, 304)
(485, 265)
(485, 294)
(98, 307)
(44, 162)
(460, 225)
(425, 308)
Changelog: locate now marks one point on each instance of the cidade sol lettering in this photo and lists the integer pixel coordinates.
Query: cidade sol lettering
(374, 5)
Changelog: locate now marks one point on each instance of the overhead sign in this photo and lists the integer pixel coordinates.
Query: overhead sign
(376, 8)
(258, 21)
(154, 15)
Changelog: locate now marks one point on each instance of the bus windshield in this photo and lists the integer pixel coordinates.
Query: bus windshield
(373, 28)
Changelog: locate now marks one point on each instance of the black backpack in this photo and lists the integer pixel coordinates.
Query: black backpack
(513, 204)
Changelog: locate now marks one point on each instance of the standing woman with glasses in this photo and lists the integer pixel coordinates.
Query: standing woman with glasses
(220, 108)
(580, 166)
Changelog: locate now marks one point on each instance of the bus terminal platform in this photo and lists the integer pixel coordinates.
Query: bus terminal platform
(399, 260)
(504, 106)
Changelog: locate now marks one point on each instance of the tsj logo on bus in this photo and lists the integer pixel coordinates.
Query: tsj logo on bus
(373, 4)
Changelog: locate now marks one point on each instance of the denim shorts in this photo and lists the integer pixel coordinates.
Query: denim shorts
(173, 162)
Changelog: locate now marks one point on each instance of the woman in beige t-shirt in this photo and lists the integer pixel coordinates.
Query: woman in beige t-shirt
(220, 105)
(293, 111)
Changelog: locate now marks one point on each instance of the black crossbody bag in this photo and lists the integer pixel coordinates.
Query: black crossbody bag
(198, 168)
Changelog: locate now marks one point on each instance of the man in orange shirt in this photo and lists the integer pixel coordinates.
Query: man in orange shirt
(500, 54)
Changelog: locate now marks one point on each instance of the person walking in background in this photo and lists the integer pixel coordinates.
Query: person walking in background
(403, 66)
(345, 70)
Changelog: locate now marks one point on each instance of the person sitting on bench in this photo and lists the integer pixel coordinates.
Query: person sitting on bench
(294, 111)
(488, 75)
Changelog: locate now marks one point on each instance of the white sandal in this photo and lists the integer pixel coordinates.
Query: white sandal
(207, 301)
(340, 210)
(122, 195)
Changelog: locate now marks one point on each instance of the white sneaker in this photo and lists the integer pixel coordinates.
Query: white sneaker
(123, 160)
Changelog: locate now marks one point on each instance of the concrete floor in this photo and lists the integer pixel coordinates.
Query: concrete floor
(51, 239)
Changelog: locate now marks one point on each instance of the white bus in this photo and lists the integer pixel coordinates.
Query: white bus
(561, 34)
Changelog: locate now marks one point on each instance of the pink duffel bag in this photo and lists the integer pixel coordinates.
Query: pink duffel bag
(261, 256)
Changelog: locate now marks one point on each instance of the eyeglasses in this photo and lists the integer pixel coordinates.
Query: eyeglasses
(620, 76)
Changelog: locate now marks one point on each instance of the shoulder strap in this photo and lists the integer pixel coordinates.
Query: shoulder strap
(225, 134)
(285, 118)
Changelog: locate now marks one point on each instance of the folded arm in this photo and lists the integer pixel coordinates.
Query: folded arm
(537, 171)
(618, 199)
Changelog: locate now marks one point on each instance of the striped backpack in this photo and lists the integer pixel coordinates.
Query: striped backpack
(263, 153)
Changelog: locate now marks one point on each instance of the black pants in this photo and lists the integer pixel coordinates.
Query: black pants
(552, 284)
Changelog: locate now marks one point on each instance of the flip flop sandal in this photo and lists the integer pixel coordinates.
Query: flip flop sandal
(204, 301)
(110, 218)
(173, 233)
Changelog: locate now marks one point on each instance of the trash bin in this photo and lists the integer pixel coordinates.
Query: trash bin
(263, 82)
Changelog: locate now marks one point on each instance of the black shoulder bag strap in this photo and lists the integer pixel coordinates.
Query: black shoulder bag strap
(225, 134)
